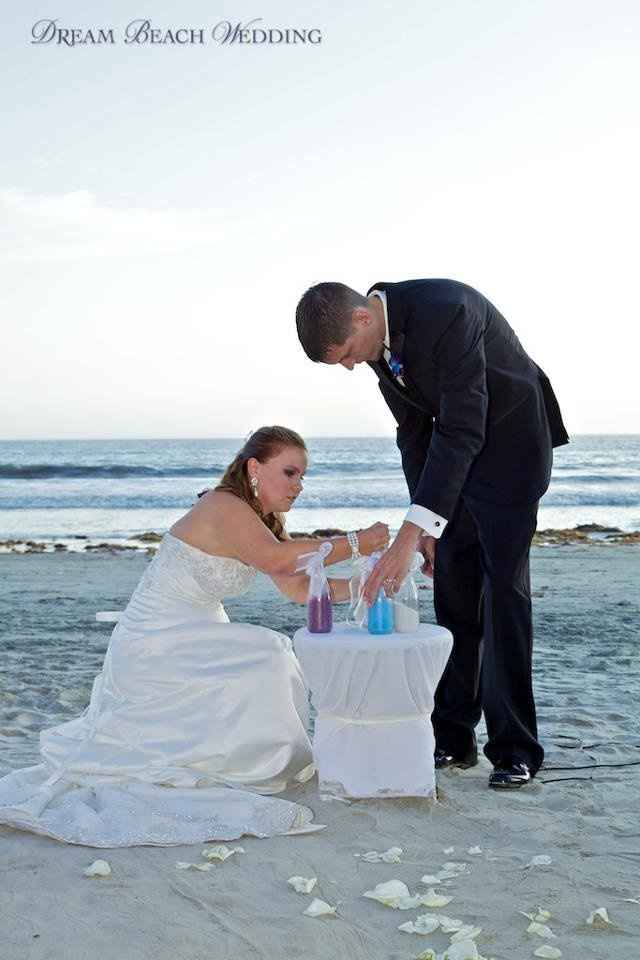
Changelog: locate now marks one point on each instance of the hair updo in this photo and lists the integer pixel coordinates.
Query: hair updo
(263, 444)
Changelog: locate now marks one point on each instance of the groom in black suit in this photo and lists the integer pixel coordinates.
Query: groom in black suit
(477, 420)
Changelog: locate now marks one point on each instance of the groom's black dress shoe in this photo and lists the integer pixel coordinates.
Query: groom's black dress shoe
(510, 776)
(443, 759)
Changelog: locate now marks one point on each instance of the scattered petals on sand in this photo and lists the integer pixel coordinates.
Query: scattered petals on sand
(452, 869)
(318, 908)
(220, 852)
(551, 953)
(449, 850)
(540, 917)
(474, 851)
(99, 868)
(599, 918)
(449, 871)
(424, 924)
(463, 950)
(409, 903)
(395, 894)
(203, 867)
(542, 860)
(541, 930)
(467, 932)
(389, 893)
(433, 899)
(392, 855)
(302, 884)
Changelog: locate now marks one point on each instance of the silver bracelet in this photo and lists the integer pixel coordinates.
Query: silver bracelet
(352, 537)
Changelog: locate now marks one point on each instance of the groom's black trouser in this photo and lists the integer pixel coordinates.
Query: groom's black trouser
(482, 595)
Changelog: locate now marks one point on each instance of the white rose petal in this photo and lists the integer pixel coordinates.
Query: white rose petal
(541, 930)
(466, 933)
(430, 878)
(542, 860)
(427, 954)
(392, 855)
(389, 892)
(203, 867)
(318, 908)
(407, 903)
(599, 918)
(433, 899)
(452, 869)
(99, 868)
(550, 953)
(630, 900)
(474, 851)
(463, 950)
(220, 852)
(450, 924)
(541, 916)
(449, 850)
(423, 925)
(302, 884)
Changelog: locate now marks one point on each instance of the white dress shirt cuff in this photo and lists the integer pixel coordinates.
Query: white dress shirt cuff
(431, 522)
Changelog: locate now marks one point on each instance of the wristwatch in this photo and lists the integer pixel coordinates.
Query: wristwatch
(352, 537)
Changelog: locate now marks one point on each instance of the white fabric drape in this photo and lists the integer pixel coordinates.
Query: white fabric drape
(374, 696)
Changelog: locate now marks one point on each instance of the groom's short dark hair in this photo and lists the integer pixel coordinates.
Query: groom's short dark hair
(323, 317)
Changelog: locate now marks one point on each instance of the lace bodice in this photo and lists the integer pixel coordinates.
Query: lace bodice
(178, 569)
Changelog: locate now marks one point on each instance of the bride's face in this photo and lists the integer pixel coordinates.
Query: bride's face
(279, 479)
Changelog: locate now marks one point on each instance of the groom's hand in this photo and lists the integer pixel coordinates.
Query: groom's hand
(392, 568)
(428, 550)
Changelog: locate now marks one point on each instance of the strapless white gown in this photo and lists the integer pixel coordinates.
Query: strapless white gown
(193, 722)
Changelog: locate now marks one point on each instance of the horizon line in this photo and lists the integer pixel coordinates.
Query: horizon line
(317, 436)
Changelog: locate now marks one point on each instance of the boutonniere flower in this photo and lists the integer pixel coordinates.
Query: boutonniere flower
(395, 365)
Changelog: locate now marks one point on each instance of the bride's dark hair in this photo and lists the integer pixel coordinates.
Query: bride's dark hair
(263, 444)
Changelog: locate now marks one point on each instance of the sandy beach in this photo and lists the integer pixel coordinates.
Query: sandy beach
(584, 820)
(243, 908)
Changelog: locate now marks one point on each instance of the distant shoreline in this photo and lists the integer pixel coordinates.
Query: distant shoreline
(589, 534)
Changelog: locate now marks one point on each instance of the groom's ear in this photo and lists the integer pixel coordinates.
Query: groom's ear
(360, 317)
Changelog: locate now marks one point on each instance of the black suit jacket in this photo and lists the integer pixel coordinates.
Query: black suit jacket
(477, 414)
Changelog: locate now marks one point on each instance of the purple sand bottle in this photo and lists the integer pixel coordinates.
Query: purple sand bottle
(319, 614)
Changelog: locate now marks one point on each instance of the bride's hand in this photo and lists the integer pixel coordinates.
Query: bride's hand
(373, 538)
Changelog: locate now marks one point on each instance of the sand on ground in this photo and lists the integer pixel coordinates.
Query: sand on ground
(244, 909)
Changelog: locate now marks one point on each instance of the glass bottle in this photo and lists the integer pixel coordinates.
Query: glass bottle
(406, 606)
(380, 618)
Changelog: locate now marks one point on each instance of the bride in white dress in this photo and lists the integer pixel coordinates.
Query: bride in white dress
(194, 722)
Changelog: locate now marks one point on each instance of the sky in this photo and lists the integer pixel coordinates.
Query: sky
(163, 207)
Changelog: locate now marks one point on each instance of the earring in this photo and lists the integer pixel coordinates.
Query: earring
(254, 486)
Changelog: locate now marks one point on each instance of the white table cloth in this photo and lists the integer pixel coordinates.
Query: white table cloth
(373, 697)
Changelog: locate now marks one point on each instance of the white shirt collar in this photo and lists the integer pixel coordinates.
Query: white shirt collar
(382, 296)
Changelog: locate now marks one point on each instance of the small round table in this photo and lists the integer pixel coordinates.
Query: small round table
(373, 697)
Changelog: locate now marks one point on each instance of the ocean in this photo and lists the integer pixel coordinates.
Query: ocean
(63, 490)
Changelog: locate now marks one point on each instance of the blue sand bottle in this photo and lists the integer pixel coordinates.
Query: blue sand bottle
(381, 614)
